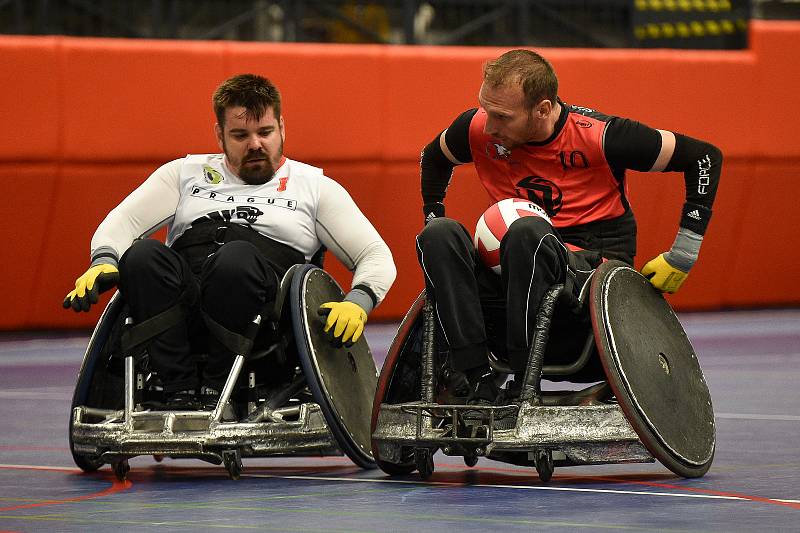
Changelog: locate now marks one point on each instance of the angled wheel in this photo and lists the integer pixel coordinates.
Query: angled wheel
(81, 394)
(399, 379)
(652, 369)
(396, 469)
(342, 380)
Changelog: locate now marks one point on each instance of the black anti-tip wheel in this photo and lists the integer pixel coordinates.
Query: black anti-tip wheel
(121, 469)
(544, 464)
(424, 461)
(232, 460)
(471, 459)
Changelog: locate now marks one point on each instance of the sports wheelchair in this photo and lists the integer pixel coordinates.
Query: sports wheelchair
(654, 403)
(321, 406)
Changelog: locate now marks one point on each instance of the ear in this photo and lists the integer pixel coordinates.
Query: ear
(544, 108)
(218, 135)
(283, 129)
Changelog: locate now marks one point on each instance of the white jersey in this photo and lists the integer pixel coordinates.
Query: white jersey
(284, 208)
(299, 207)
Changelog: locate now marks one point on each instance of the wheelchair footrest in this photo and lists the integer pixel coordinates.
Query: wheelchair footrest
(462, 423)
(587, 434)
(194, 434)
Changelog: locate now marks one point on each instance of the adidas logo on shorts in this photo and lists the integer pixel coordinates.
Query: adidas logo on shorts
(694, 214)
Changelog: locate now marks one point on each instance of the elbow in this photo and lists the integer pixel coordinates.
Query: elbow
(714, 153)
(391, 268)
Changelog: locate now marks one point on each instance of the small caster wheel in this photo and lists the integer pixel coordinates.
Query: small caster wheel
(544, 464)
(423, 457)
(158, 458)
(232, 460)
(121, 469)
(471, 460)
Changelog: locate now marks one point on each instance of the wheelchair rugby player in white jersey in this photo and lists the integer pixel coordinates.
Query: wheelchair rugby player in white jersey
(229, 340)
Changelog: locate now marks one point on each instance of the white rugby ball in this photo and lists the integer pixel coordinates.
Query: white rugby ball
(494, 223)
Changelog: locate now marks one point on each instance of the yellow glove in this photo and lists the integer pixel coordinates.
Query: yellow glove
(97, 279)
(349, 319)
(662, 275)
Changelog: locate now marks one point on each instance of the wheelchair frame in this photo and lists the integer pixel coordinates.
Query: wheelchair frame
(99, 436)
(564, 428)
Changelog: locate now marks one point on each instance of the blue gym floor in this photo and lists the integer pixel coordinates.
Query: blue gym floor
(751, 361)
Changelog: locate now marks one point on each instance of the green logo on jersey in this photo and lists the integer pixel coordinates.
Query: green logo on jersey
(212, 176)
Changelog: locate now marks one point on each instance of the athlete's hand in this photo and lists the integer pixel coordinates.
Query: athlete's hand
(432, 210)
(662, 275)
(347, 320)
(97, 279)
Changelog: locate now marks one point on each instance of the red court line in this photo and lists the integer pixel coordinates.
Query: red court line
(116, 486)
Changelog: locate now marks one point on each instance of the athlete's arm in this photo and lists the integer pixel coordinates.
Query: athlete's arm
(146, 209)
(630, 144)
(349, 235)
(438, 158)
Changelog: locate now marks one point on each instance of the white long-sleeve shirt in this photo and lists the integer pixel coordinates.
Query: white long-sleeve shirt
(299, 207)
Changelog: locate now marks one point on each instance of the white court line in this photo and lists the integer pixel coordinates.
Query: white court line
(743, 416)
(520, 487)
(40, 467)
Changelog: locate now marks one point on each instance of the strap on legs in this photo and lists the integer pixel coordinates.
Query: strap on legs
(136, 336)
(532, 383)
(236, 343)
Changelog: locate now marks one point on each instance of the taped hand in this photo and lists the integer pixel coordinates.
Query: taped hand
(97, 279)
(349, 319)
(662, 275)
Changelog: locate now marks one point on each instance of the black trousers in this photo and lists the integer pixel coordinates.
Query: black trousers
(234, 285)
(476, 309)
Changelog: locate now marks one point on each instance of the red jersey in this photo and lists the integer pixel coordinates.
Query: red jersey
(567, 175)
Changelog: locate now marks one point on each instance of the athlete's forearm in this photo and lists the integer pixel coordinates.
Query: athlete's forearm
(349, 235)
(148, 207)
(701, 164)
(436, 170)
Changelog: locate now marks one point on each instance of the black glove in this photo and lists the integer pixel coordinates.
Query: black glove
(432, 210)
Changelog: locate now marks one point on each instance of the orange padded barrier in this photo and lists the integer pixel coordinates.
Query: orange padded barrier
(86, 120)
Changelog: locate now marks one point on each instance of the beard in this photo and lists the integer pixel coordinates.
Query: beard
(261, 167)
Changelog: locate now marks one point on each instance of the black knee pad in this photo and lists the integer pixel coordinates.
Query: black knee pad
(442, 230)
(238, 261)
(236, 251)
(527, 229)
(142, 254)
(150, 271)
(441, 239)
(237, 282)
